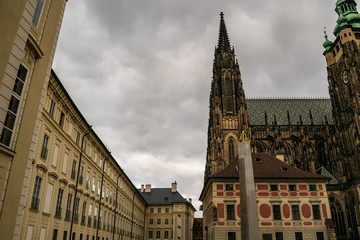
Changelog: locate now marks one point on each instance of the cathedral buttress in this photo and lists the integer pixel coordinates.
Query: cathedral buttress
(228, 115)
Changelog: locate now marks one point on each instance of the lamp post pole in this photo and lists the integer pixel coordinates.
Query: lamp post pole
(77, 182)
(102, 180)
(116, 202)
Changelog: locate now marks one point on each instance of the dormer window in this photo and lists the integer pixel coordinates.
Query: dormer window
(284, 169)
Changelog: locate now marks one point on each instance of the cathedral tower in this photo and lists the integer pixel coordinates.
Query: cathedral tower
(342, 58)
(228, 115)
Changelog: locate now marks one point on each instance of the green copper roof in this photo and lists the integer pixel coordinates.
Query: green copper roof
(348, 15)
(283, 108)
(327, 44)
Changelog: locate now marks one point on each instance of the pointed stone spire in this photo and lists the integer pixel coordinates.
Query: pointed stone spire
(288, 116)
(266, 120)
(223, 42)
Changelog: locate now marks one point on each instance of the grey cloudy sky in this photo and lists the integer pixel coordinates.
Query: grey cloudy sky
(140, 72)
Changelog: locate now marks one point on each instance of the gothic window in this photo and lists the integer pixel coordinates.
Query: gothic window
(231, 151)
(228, 94)
(338, 218)
(228, 87)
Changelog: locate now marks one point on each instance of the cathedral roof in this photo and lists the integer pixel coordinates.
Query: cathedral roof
(267, 167)
(281, 109)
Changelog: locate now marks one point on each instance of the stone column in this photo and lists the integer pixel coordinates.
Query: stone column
(249, 213)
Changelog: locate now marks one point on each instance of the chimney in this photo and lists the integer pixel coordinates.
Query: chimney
(148, 188)
(142, 187)
(190, 200)
(174, 187)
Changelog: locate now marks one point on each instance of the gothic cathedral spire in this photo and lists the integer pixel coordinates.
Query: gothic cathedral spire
(228, 115)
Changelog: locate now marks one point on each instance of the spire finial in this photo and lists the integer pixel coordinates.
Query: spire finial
(223, 42)
(326, 37)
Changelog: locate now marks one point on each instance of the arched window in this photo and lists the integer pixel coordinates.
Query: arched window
(338, 218)
(231, 151)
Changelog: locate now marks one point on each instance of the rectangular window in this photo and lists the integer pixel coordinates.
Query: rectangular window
(319, 236)
(29, 232)
(35, 198)
(158, 234)
(295, 212)
(81, 177)
(151, 210)
(230, 212)
(279, 236)
(298, 236)
(78, 138)
(166, 221)
(55, 233)
(166, 234)
(150, 234)
(62, 118)
(10, 117)
(38, 10)
(231, 236)
(151, 221)
(58, 203)
(273, 187)
(98, 188)
(84, 145)
(70, 128)
(93, 184)
(44, 149)
(292, 187)
(65, 235)
(158, 221)
(52, 107)
(312, 187)
(229, 187)
(95, 157)
(316, 212)
(83, 213)
(73, 170)
(42, 233)
(90, 151)
(167, 210)
(64, 168)
(47, 204)
(87, 184)
(276, 212)
(76, 212)
(159, 210)
(89, 215)
(68, 207)
(55, 155)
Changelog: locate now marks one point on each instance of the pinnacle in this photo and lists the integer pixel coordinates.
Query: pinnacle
(223, 42)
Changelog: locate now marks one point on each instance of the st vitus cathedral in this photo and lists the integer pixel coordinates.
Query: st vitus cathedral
(313, 134)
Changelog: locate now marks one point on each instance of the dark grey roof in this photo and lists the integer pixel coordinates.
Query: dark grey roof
(162, 196)
(296, 106)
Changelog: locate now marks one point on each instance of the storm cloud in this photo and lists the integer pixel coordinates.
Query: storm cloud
(140, 72)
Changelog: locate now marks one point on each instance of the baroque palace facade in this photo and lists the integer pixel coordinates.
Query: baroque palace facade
(57, 178)
(315, 135)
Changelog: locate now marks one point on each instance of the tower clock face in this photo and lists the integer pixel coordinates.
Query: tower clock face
(345, 77)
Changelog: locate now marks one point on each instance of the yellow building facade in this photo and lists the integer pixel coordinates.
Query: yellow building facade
(29, 32)
(168, 215)
(107, 204)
